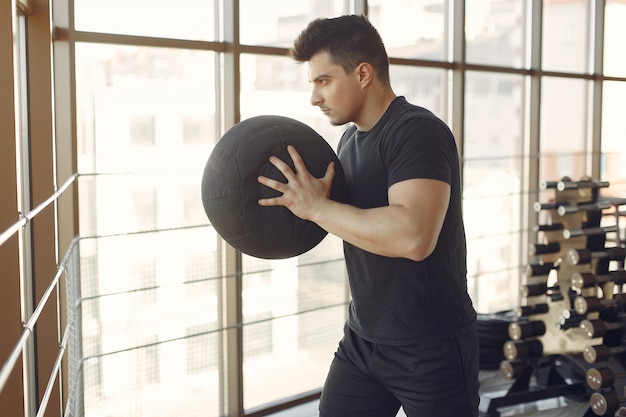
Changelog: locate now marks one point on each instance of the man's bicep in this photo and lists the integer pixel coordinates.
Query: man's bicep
(425, 199)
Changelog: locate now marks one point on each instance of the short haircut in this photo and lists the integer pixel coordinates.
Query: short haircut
(349, 40)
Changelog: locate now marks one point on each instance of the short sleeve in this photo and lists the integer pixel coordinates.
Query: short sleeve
(419, 148)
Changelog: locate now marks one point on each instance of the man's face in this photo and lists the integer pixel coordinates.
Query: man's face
(335, 92)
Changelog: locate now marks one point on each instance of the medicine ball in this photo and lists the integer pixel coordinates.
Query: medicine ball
(230, 189)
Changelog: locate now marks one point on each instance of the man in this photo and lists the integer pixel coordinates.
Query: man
(410, 339)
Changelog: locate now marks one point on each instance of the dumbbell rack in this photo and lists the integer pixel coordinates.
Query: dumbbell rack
(545, 354)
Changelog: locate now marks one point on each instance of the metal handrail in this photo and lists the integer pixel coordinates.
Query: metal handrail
(25, 218)
(8, 366)
(55, 369)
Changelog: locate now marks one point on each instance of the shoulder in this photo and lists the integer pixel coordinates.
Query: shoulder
(408, 121)
(405, 116)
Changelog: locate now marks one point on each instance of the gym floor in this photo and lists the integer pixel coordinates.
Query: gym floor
(493, 385)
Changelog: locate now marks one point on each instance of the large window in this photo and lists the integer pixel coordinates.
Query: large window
(149, 111)
(170, 319)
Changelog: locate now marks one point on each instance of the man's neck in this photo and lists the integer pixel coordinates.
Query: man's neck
(376, 105)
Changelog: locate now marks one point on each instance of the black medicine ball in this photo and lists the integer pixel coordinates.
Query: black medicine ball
(230, 190)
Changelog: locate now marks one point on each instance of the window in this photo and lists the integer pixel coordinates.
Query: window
(564, 49)
(171, 315)
(495, 32)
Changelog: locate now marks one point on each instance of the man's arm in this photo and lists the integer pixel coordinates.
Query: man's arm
(408, 227)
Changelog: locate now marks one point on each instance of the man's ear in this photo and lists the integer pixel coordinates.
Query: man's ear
(365, 72)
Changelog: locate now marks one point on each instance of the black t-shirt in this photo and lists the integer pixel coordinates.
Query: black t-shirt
(396, 300)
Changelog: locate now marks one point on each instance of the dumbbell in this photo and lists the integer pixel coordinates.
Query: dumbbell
(598, 328)
(568, 321)
(600, 353)
(524, 311)
(520, 349)
(562, 210)
(588, 231)
(584, 256)
(538, 206)
(584, 305)
(524, 330)
(545, 185)
(571, 314)
(543, 248)
(582, 280)
(549, 227)
(512, 369)
(533, 290)
(605, 403)
(572, 185)
(539, 269)
(598, 378)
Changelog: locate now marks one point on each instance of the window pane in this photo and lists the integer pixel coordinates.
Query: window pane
(277, 23)
(425, 87)
(148, 324)
(193, 20)
(146, 124)
(146, 115)
(493, 116)
(565, 35)
(614, 35)
(427, 22)
(613, 138)
(494, 32)
(492, 178)
(563, 127)
(293, 312)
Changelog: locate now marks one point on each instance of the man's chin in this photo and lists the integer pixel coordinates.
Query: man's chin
(336, 122)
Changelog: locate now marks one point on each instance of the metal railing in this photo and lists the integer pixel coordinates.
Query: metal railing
(28, 326)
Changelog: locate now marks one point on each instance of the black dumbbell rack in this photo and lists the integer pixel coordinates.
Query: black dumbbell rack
(544, 356)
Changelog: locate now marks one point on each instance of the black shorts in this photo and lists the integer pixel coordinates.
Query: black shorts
(431, 379)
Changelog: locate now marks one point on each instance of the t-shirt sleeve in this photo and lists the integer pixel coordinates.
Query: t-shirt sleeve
(420, 148)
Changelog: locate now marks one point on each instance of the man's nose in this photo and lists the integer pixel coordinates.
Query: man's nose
(315, 99)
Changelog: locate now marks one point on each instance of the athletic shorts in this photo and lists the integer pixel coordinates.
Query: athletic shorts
(432, 379)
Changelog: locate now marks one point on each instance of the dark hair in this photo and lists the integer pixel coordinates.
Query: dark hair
(349, 40)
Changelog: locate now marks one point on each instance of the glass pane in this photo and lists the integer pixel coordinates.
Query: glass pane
(614, 35)
(492, 178)
(426, 38)
(491, 210)
(293, 312)
(493, 115)
(193, 20)
(565, 34)
(425, 87)
(146, 115)
(494, 32)
(149, 324)
(613, 138)
(497, 290)
(563, 126)
(277, 23)
(146, 124)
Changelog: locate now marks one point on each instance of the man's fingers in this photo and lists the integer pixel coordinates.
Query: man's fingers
(269, 201)
(282, 167)
(273, 184)
(298, 162)
(330, 172)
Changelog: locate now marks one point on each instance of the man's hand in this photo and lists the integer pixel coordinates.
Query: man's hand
(303, 194)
